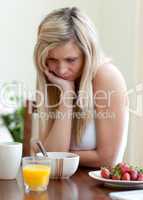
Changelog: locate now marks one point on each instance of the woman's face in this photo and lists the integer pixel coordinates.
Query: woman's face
(66, 61)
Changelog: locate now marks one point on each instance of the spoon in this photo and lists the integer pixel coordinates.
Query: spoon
(41, 148)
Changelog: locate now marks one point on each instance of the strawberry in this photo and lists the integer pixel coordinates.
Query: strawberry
(140, 177)
(105, 173)
(123, 167)
(133, 174)
(126, 176)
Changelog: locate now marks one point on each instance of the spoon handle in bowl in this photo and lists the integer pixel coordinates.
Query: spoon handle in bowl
(41, 148)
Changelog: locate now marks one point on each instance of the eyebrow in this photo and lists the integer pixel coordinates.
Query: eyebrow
(74, 57)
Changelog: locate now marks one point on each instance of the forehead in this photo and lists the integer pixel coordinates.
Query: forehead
(68, 49)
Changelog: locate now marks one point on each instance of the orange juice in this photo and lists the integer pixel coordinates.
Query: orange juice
(36, 176)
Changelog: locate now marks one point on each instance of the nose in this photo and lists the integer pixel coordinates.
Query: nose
(63, 70)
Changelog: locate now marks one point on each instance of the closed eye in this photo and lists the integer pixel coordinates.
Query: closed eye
(52, 59)
(70, 60)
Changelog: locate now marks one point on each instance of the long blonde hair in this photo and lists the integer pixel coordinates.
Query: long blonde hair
(60, 26)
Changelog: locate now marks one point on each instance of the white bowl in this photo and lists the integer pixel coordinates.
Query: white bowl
(63, 164)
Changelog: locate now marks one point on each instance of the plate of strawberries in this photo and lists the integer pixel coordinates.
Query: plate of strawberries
(121, 175)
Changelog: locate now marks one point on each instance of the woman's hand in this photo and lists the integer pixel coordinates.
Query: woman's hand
(66, 85)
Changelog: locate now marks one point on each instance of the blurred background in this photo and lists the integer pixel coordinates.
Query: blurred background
(120, 29)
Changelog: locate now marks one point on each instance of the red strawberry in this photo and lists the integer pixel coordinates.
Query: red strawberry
(133, 174)
(124, 168)
(105, 173)
(126, 176)
(140, 177)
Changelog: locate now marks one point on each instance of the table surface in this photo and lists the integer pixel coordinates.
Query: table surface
(78, 187)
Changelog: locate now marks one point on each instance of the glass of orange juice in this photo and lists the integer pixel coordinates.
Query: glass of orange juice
(36, 172)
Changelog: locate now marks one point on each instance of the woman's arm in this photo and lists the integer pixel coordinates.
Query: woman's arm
(59, 135)
(111, 96)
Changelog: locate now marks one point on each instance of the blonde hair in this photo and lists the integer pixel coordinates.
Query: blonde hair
(60, 26)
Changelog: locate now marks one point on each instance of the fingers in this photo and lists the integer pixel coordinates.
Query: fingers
(49, 74)
(51, 77)
(64, 84)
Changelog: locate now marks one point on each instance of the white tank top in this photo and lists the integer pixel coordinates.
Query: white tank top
(88, 141)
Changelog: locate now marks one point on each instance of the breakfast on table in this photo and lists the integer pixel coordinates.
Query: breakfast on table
(39, 169)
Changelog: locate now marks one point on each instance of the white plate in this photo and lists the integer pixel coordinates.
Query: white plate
(115, 183)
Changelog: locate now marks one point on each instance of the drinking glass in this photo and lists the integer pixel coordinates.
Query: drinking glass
(36, 172)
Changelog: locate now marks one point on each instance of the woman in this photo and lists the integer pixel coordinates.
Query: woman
(83, 86)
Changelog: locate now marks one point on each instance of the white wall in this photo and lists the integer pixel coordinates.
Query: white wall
(117, 30)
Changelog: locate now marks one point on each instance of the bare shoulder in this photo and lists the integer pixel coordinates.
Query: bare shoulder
(108, 77)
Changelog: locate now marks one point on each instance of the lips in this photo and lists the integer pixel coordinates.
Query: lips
(65, 77)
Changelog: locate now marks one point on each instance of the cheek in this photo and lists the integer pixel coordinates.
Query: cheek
(78, 68)
(51, 66)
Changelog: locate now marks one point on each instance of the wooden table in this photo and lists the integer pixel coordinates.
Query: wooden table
(78, 187)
